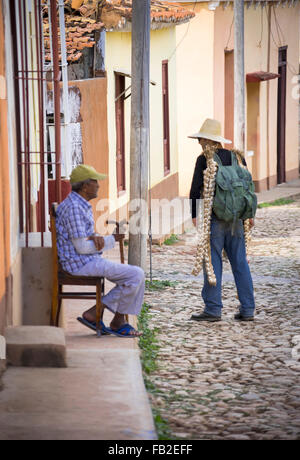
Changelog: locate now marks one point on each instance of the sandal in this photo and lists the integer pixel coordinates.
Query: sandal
(92, 325)
(124, 331)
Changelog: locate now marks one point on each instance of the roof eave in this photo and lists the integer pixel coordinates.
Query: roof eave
(125, 26)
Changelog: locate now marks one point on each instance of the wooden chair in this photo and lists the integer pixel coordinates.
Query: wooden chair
(62, 278)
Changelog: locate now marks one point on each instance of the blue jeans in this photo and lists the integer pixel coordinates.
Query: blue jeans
(234, 245)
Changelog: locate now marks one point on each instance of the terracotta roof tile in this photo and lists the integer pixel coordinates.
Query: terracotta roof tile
(161, 11)
(84, 17)
(79, 34)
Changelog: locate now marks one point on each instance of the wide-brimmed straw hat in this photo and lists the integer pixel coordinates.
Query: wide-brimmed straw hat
(211, 129)
(85, 172)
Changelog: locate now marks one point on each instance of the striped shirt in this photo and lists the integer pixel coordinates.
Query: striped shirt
(74, 219)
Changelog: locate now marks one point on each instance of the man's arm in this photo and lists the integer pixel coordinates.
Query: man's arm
(197, 185)
(93, 244)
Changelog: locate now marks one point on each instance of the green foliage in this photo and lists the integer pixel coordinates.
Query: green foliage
(279, 202)
(148, 341)
(149, 346)
(162, 426)
(171, 240)
(157, 285)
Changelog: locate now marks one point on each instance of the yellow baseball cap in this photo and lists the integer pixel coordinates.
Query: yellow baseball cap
(85, 172)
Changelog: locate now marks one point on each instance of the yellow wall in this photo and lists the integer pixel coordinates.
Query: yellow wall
(162, 47)
(223, 39)
(264, 162)
(195, 92)
(118, 58)
(288, 19)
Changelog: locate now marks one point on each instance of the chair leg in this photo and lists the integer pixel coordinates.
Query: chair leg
(99, 306)
(58, 312)
(58, 306)
(54, 306)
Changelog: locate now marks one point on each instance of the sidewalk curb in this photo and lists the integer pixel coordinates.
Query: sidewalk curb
(270, 200)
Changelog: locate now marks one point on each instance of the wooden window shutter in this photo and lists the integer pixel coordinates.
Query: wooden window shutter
(166, 120)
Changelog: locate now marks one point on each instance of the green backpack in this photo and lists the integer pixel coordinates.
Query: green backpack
(234, 194)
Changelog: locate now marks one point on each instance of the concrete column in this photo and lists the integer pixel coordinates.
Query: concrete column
(139, 140)
(239, 76)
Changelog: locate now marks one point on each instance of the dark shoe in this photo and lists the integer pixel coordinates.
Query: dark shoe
(240, 317)
(205, 317)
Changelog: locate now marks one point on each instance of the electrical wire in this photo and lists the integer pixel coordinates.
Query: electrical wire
(185, 34)
(262, 27)
(280, 44)
(149, 163)
(283, 41)
(230, 30)
(279, 30)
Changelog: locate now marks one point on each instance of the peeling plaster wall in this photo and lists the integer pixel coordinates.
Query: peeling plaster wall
(74, 133)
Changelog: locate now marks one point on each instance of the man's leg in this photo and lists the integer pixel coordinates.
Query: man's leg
(125, 298)
(236, 252)
(212, 295)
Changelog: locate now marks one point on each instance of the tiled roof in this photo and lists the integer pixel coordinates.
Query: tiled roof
(79, 35)
(161, 12)
(84, 17)
(116, 13)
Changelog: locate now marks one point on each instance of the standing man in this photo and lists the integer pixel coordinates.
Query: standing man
(221, 234)
(80, 249)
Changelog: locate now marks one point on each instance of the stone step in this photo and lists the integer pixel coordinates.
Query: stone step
(35, 346)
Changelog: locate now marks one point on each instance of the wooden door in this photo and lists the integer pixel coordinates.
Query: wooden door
(120, 131)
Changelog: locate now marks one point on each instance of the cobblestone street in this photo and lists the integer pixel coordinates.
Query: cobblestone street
(231, 380)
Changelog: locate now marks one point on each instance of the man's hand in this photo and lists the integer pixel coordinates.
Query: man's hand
(195, 221)
(98, 241)
(119, 236)
(251, 222)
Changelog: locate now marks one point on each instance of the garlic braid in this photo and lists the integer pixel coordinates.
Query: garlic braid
(203, 254)
(247, 227)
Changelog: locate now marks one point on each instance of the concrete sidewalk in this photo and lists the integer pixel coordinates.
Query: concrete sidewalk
(100, 396)
(285, 190)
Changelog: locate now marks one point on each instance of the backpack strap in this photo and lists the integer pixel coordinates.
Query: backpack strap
(217, 159)
(234, 160)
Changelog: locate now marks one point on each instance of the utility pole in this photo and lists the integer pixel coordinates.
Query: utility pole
(239, 76)
(139, 138)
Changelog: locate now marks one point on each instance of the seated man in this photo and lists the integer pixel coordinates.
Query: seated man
(80, 249)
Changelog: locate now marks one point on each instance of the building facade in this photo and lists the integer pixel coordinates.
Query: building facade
(206, 47)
